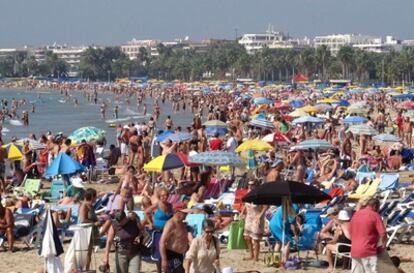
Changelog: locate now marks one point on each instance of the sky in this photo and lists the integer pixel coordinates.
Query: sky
(113, 22)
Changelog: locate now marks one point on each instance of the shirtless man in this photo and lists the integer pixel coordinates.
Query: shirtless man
(6, 225)
(407, 127)
(174, 243)
(274, 173)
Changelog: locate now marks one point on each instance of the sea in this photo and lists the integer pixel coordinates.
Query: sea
(57, 113)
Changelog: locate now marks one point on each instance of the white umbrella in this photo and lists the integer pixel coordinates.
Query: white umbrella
(51, 247)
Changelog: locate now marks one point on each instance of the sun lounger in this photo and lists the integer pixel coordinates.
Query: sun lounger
(370, 191)
(360, 176)
(31, 186)
(389, 181)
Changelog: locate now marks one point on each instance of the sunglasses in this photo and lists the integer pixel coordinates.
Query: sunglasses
(209, 231)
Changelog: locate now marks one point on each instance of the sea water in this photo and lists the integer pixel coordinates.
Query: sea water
(57, 113)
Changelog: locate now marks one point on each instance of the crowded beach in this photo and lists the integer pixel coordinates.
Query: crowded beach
(267, 177)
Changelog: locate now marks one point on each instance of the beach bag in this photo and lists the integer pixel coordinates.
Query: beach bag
(272, 258)
(236, 238)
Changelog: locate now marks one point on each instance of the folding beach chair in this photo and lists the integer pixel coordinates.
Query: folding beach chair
(31, 186)
(56, 191)
(389, 181)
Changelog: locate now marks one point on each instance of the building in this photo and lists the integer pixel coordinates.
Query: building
(131, 48)
(363, 42)
(256, 42)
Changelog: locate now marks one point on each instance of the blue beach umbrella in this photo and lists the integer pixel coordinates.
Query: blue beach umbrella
(262, 100)
(261, 123)
(63, 164)
(355, 120)
(307, 119)
(181, 136)
(387, 138)
(211, 131)
(164, 136)
(343, 102)
(296, 103)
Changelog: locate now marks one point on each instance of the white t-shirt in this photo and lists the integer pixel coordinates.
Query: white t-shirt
(231, 144)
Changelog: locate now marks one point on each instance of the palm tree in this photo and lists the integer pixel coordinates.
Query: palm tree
(346, 56)
(322, 58)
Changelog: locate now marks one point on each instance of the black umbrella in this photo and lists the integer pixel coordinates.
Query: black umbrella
(283, 193)
(272, 193)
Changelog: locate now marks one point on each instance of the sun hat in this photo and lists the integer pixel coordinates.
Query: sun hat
(344, 215)
(77, 182)
(332, 210)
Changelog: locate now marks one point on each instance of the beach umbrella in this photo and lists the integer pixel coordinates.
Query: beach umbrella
(262, 123)
(298, 113)
(216, 158)
(297, 103)
(359, 109)
(63, 164)
(309, 109)
(306, 119)
(406, 105)
(324, 107)
(262, 100)
(273, 192)
(387, 138)
(354, 120)
(328, 100)
(409, 113)
(260, 116)
(281, 105)
(314, 144)
(343, 103)
(362, 129)
(278, 138)
(90, 134)
(34, 144)
(181, 136)
(13, 151)
(215, 123)
(283, 193)
(167, 162)
(254, 145)
(164, 136)
(51, 247)
(211, 131)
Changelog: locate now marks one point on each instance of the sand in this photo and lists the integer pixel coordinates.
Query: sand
(28, 261)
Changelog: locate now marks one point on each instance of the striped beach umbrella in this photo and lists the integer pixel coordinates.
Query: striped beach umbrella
(306, 119)
(90, 134)
(181, 136)
(215, 123)
(262, 100)
(13, 151)
(387, 138)
(363, 129)
(262, 123)
(314, 144)
(166, 162)
(216, 158)
(354, 120)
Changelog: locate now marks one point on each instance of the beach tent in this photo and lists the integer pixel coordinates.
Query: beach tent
(300, 78)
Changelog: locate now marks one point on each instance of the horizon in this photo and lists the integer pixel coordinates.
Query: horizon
(107, 23)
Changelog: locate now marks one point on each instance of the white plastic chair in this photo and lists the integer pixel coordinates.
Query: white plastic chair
(341, 254)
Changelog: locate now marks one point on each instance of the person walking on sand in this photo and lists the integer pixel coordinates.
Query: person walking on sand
(369, 238)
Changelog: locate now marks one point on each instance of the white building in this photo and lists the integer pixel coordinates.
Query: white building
(367, 43)
(256, 42)
(131, 48)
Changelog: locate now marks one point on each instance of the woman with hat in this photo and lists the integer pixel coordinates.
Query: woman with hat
(342, 236)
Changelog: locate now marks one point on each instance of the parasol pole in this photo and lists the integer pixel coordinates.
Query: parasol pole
(284, 218)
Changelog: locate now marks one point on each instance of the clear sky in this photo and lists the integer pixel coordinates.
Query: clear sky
(111, 22)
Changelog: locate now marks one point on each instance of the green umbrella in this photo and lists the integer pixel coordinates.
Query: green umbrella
(90, 134)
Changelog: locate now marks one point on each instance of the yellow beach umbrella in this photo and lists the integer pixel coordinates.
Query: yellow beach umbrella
(298, 113)
(254, 145)
(309, 109)
(328, 100)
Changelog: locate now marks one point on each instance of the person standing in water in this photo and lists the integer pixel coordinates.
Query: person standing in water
(116, 112)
